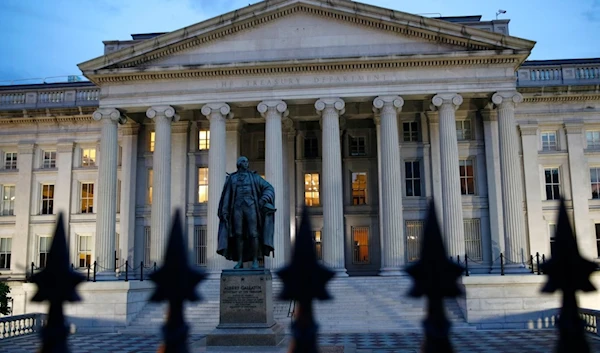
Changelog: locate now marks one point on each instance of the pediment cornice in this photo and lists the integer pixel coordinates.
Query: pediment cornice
(404, 24)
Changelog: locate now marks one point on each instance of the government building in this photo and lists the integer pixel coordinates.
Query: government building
(361, 113)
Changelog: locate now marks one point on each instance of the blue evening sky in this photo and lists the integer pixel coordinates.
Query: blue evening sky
(45, 38)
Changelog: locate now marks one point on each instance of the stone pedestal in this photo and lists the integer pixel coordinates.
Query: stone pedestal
(246, 310)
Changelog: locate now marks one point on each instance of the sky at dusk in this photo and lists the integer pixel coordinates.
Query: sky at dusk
(47, 38)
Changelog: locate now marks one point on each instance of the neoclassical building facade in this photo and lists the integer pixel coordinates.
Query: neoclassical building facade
(363, 114)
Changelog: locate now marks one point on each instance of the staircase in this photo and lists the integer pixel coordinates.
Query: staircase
(361, 304)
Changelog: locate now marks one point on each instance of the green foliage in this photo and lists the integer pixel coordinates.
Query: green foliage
(4, 291)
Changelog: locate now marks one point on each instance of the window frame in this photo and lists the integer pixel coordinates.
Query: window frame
(549, 146)
(5, 255)
(202, 185)
(149, 185)
(90, 162)
(354, 247)
(203, 141)
(312, 192)
(552, 184)
(466, 177)
(318, 242)
(465, 134)
(410, 135)
(14, 162)
(201, 245)
(413, 180)
(88, 201)
(151, 141)
(364, 190)
(48, 241)
(313, 148)
(354, 150)
(4, 202)
(87, 260)
(596, 169)
(595, 145)
(50, 162)
(49, 200)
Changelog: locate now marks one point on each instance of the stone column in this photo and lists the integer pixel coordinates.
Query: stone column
(580, 191)
(451, 197)
(106, 213)
(129, 160)
(160, 212)
(391, 186)
(331, 186)
(377, 121)
(289, 177)
(233, 133)
(433, 118)
(178, 168)
(539, 240)
(512, 183)
(273, 112)
(22, 251)
(492, 159)
(216, 113)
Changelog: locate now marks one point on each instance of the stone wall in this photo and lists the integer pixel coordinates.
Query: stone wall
(105, 306)
(515, 301)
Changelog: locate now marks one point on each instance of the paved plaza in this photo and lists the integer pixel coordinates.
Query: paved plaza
(406, 342)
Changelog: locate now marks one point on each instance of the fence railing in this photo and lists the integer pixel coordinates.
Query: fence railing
(19, 325)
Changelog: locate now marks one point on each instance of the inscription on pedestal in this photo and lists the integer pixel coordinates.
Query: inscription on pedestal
(246, 298)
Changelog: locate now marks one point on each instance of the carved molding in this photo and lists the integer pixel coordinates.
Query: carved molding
(528, 129)
(330, 103)
(452, 99)
(278, 106)
(561, 98)
(111, 114)
(44, 120)
(223, 109)
(162, 111)
(512, 97)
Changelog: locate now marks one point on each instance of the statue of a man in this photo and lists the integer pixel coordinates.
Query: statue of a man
(246, 214)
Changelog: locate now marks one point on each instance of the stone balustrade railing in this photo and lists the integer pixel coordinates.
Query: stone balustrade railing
(559, 73)
(63, 95)
(591, 319)
(19, 325)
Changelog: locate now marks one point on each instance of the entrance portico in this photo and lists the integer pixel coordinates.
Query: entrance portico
(330, 90)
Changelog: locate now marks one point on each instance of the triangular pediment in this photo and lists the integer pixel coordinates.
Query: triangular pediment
(302, 30)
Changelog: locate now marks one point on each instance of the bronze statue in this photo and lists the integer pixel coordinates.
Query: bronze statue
(246, 214)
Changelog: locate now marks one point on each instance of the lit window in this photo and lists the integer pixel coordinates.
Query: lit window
(463, 130)
(412, 172)
(10, 160)
(359, 188)
(552, 183)
(152, 137)
(47, 199)
(200, 245)
(595, 182)
(85, 250)
(311, 189)
(149, 187)
(43, 250)
(549, 141)
(410, 131)
(360, 245)
(87, 198)
(467, 177)
(7, 208)
(88, 157)
(358, 146)
(311, 147)
(203, 140)
(260, 149)
(414, 231)
(5, 249)
(49, 160)
(318, 245)
(593, 139)
(202, 185)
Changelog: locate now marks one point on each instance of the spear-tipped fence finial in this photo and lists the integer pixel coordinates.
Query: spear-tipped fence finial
(304, 279)
(56, 284)
(176, 282)
(568, 272)
(435, 277)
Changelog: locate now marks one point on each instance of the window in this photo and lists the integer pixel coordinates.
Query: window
(463, 130)
(47, 199)
(549, 141)
(473, 239)
(593, 139)
(552, 183)
(43, 250)
(412, 174)
(118, 208)
(311, 147)
(318, 245)
(260, 149)
(595, 182)
(359, 188)
(311, 189)
(203, 140)
(10, 160)
(85, 251)
(49, 160)
(410, 131)
(87, 198)
(552, 233)
(358, 146)
(147, 245)
(149, 187)
(360, 244)
(467, 177)
(202, 185)
(7, 208)
(88, 157)
(597, 226)
(414, 234)
(5, 248)
(152, 139)
(200, 245)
